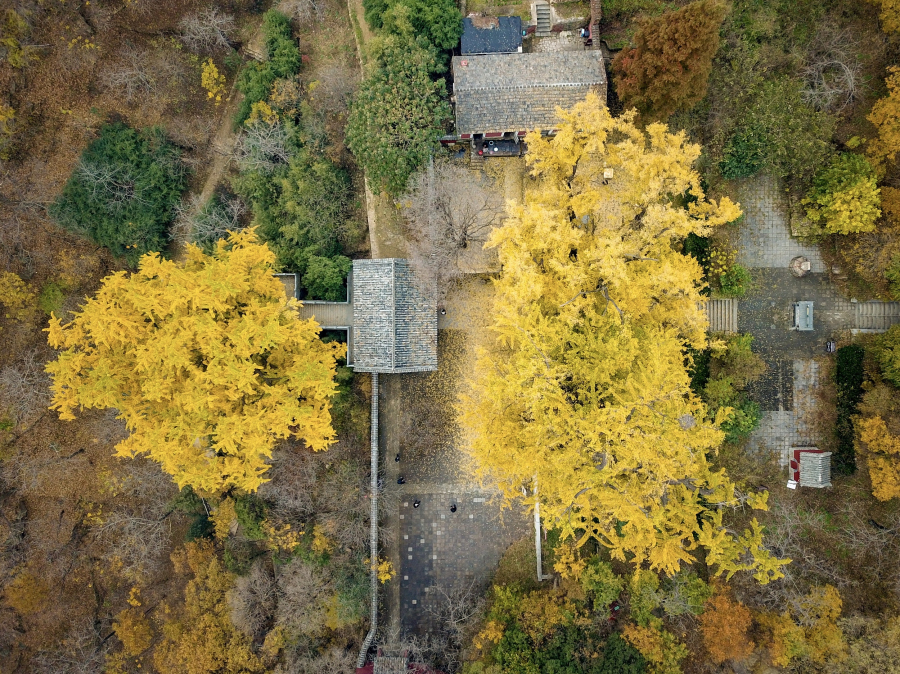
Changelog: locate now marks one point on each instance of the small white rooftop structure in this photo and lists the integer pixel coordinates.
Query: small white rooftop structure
(803, 316)
(810, 467)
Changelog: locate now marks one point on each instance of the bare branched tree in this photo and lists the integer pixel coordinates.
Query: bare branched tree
(334, 661)
(427, 649)
(207, 31)
(262, 147)
(302, 593)
(25, 388)
(455, 610)
(448, 209)
(252, 600)
(336, 85)
(141, 72)
(344, 506)
(137, 535)
(204, 224)
(832, 71)
(304, 10)
(83, 651)
(292, 484)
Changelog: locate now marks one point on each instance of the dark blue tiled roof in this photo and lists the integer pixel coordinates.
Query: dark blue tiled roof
(503, 36)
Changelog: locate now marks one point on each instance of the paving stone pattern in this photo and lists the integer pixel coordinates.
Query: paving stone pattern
(441, 549)
(765, 239)
(787, 391)
(779, 430)
(560, 42)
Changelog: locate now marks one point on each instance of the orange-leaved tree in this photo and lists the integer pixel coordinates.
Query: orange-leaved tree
(880, 450)
(885, 116)
(581, 388)
(198, 635)
(669, 66)
(206, 361)
(889, 15)
(724, 625)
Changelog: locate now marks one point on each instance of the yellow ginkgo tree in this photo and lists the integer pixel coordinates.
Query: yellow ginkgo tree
(207, 362)
(580, 390)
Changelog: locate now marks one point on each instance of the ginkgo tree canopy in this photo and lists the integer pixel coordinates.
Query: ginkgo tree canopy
(207, 361)
(581, 388)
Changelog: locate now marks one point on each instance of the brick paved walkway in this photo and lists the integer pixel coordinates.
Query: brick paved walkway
(450, 550)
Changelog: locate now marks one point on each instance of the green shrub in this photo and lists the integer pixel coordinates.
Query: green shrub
(251, 511)
(887, 352)
(374, 11)
(440, 21)
(620, 657)
(301, 210)
(844, 198)
(719, 392)
(849, 374)
(123, 193)
(738, 362)
(735, 282)
(892, 274)
(283, 61)
(744, 154)
(793, 139)
(325, 278)
(643, 596)
(601, 584)
(238, 556)
(744, 419)
(698, 367)
(52, 297)
(397, 117)
(201, 527)
(685, 593)
(698, 247)
(351, 581)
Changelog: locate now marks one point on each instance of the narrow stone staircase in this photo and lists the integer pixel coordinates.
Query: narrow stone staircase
(476, 161)
(722, 315)
(542, 16)
(876, 316)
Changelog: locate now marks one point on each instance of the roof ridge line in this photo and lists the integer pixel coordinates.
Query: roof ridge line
(529, 86)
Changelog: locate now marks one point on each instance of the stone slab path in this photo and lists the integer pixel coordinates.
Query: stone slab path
(433, 549)
(765, 240)
(787, 391)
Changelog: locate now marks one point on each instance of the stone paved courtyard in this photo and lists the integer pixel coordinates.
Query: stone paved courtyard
(434, 548)
(786, 392)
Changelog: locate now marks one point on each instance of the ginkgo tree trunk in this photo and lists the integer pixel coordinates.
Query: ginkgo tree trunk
(207, 361)
(581, 380)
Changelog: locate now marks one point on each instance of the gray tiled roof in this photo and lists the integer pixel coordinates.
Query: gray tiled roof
(394, 323)
(520, 92)
(504, 36)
